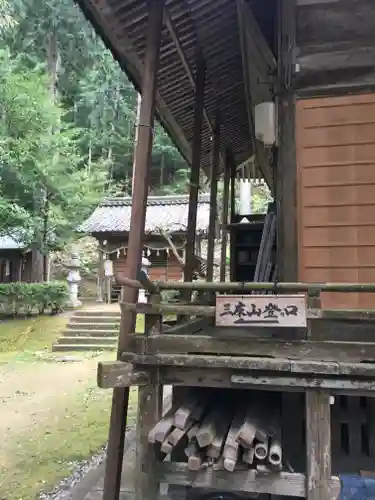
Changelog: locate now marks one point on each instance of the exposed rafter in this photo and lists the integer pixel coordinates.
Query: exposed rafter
(172, 31)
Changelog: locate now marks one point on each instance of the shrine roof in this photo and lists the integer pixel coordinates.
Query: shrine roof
(210, 28)
(164, 213)
(9, 243)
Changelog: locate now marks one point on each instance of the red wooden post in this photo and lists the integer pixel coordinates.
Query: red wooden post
(195, 168)
(112, 479)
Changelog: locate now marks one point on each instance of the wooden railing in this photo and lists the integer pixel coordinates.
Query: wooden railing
(207, 309)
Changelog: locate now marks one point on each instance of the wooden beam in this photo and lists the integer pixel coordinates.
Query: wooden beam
(255, 34)
(224, 220)
(202, 346)
(98, 13)
(172, 31)
(250, 481)
(120, 399)
(357, 57)
(213, 199)
(195, 168)
(318, 445)
(113, 374)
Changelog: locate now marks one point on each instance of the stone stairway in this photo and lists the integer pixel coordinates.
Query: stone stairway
(90, 330)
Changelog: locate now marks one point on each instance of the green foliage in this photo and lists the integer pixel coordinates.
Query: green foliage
(44, 183)
(24, 299)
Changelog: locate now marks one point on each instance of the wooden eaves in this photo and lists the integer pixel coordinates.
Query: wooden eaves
(198, 29)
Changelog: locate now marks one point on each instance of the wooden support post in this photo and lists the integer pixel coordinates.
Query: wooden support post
(224, 230)
(318, 445)
(178, 392)
(195, 168)
(100, 281)
(286, 182)
(150, 400)
(120, 399)
(213, 200)
(233, 176)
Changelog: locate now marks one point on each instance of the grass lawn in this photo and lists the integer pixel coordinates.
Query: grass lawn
(21, 338)
(52, 414)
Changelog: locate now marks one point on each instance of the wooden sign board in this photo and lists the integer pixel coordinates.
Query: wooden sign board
(261, 310)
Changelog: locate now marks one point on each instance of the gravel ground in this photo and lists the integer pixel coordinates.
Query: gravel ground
(64, 490)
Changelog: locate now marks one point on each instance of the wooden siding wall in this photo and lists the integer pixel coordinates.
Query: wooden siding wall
(335, 139)
(171, 272)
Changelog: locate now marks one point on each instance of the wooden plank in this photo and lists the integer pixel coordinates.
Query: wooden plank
(292, 287)
(318, 445)
(201, 345)
(189, 310)
(371, 426)
(246, 481)
(224, 377)
(142, 164)
(287, 311)
(304, 382)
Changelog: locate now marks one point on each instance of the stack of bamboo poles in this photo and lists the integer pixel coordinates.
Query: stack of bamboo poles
(265, 270)
(219, 429)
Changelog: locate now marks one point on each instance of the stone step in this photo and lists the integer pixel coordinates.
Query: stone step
(88, 340)
(83, 347)
(97, 314)
(85, 332)
(95, 319)
(84, 325)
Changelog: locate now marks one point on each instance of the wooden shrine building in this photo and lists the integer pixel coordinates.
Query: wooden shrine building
(15, 260)
(165, 234)
(287, 87)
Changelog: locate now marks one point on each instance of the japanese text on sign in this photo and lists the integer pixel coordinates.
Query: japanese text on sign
(261, 310)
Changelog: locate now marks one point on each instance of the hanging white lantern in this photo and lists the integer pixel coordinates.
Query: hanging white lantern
(158, 252)
(118, 253)
(148, 252)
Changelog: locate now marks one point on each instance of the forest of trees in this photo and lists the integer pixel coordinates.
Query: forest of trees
(67, 125)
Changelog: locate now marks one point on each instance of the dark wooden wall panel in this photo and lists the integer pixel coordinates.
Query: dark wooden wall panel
(335, 139)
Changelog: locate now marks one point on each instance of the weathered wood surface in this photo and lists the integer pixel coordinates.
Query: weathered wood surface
(343, 377)
(335, 43)
(250, 481)
(287, 311)
(161, 345)
(181, 309)
(318, 445)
